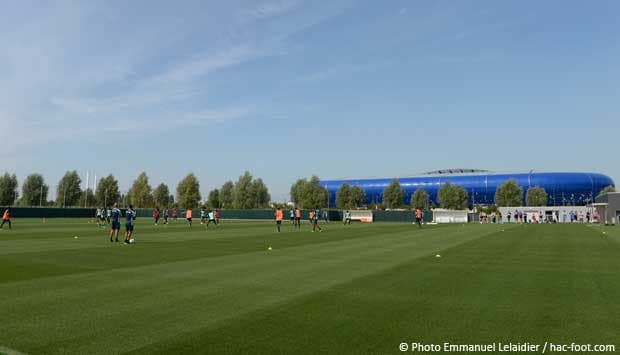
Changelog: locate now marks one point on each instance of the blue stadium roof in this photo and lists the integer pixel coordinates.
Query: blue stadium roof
(563, 188)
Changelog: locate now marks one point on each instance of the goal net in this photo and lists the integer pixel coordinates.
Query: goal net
(360, 215)
(449, 216)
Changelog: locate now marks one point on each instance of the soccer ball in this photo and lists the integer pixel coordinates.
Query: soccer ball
(131, 241)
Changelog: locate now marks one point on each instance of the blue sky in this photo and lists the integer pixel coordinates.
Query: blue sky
(291, 88)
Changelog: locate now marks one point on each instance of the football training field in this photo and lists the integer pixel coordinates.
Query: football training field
(362, 289)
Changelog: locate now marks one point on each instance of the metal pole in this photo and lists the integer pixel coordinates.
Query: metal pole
(64, 198)
(41, 197)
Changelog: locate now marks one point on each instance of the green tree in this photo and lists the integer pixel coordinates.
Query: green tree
(88, 201)
(140, 192)
(34, 191)
(297, 191)
(607, 190)
(452, 197)
(509, 194)
(188, 192)
(161, 196)
(244, 197)
(8, 189)
(69, 191)
(107, 193)
(214, 198)
(309, 194)
(227, 195)
(315, 195)
(344, 197)
(393, 195)
(536, 196)
(419, 199)
(261, 193)
(357, 196)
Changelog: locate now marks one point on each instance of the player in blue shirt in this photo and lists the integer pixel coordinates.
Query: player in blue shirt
(130, 216)
(115, 215)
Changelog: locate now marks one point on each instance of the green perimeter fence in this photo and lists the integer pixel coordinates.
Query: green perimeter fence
(333, 215)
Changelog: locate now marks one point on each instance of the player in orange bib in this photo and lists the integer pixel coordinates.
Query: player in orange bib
(6, 218)
(297, 221)
(188, 216)
(418, 217)
(279, 216)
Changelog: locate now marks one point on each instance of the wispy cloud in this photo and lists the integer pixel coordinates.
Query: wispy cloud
(215, 115)
(269, 9)
(202, 65)
(336, 72)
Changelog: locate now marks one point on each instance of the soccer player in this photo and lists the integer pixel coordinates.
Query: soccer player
(174, 214)
(130, 216)
(188, 216)
(156, 215)
(166, 214)
(315, 221)
(418, 217)
(347, 217)
(216, 214)
(297, 221)
(6, 218)
(211, 215)
(115, 214)
(98, 216)
(108, 214)
(103, 219)
(203, 215)
(325, 216)
(292, 215)
(311, 216)
(279, 216)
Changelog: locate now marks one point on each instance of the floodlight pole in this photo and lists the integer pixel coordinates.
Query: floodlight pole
(41, 197)
(86, 191)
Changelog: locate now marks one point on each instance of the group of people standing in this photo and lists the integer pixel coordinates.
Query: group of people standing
(295, 217)
(115, 219)
(206, 217)
(166, 214)
(520, 216)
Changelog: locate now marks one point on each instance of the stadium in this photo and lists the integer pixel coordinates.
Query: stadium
(563, 188)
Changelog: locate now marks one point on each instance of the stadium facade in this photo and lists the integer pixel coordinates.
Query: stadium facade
(563, 188)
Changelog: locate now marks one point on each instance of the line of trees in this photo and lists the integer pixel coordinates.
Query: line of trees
(246, 193)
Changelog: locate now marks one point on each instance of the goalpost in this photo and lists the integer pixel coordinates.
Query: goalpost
(361, 215)
(449, 216)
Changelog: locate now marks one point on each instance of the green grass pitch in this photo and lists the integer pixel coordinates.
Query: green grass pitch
(362, 289)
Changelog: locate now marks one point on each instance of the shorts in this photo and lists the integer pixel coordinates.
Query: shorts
(279, 222)
(129, 227)
(418, 219)
(298, 218)
(116, 225)
(189, 219)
